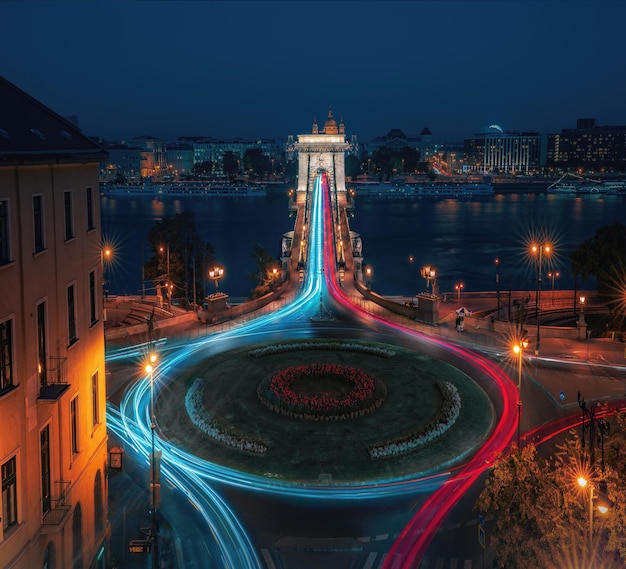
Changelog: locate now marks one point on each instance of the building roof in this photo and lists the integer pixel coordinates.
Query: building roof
(32, 133)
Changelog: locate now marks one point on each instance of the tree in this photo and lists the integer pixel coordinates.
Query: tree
(541, 513)
(254, 160)
(265, 277)
(352, 166)
(230, 164)
(604, 257)
(178, 252)
(203, 168)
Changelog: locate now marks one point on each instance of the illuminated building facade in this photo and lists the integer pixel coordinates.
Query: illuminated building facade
(588, 146)
(496, 151)
(53, 439)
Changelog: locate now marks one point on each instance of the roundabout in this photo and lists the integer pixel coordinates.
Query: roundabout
(311, 412)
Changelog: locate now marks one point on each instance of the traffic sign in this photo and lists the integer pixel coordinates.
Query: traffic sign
(139, 546)
(481, 536)
(481, 520)
(562, 396)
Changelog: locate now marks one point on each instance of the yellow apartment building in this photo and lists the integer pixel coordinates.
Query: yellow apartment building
(53, 438)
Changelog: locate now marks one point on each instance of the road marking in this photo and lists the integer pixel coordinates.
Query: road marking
(364, 539)
(453, 563)
(381, 537)
(369, 563)
(467, 564)
(268, 559)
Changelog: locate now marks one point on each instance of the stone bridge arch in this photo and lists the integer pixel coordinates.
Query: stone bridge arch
(322, 151)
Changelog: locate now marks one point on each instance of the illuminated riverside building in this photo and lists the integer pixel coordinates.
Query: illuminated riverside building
(588, 146)
(496, 151)
(53, 438)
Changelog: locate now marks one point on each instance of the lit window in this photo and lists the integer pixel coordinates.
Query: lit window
(5, 249)
(6, 355)
(9, 494)
(69, 215)
(71, 314)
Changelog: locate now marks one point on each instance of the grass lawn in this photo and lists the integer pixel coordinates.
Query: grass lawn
(312, 451)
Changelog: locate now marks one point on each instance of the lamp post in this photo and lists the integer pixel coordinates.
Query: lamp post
(368, 275)
(215, 274)
(597, 428)
(601, 497)
(154, 525)
(166, 250)
(458, 287)
(105, 255)
(518, 349)
(539, 249)
(430, 274)
(497, 262)
(553, 275)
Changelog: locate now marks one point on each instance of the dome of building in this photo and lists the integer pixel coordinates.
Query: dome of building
(330, 126)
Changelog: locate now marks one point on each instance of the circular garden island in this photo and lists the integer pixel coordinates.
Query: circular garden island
(340, 411)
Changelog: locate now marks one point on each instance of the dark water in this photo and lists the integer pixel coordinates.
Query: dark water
(461, 238)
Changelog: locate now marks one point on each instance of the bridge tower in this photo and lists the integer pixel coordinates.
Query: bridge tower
(322, 151)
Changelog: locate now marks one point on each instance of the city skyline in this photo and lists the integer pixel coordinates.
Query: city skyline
(266, 69)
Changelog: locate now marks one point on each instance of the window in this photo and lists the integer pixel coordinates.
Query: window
(77, 537)
(74, 424)
(38, 223)
(71, 314)
(95, 404)
(98, 504)
(93, 314)
(9, 494)
(41, 344)
(91, 223)
(69, 219)
(44, 449)
(5, 249)
(6, 355)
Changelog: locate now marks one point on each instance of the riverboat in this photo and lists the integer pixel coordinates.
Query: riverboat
(580, 185)
(184, 189)
(425, 189)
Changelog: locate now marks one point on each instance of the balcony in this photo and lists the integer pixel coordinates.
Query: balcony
(58, 507)
(53, 382)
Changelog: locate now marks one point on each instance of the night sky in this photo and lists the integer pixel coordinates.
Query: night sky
(262, 69)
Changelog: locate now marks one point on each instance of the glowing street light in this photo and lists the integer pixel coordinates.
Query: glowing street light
(154, 527)
(538, 250)
(553, 275)
(215, 274)
(519, 350)
(458, 287)
(603, 503)
(368, 275)
(430, 274)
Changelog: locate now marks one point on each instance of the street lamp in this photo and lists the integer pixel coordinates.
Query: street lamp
(597, 428)
(154, 526)
(553, 275)
(215, 274)
(430, 274)
(538, 250)
(602, 502)
(497, 262)
(458, 287)
(106, 256)
(166, 249)
(519, 350)
(368, 274)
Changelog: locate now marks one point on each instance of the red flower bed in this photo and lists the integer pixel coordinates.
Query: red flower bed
(362, 396)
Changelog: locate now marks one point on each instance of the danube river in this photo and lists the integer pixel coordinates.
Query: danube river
(460, 237)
